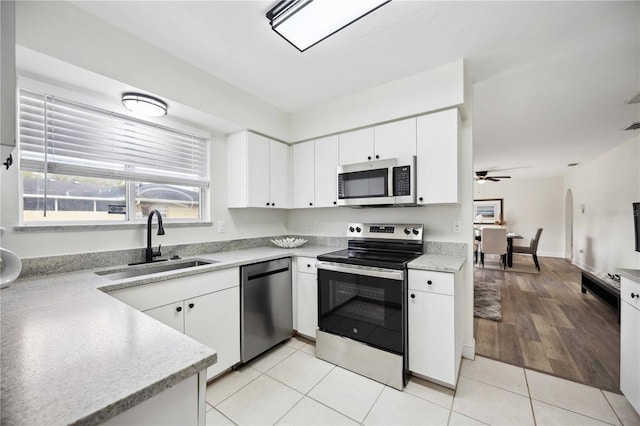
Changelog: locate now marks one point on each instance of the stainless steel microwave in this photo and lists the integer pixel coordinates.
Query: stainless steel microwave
(390, 182)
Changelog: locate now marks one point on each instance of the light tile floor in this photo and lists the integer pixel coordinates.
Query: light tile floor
(290, 386)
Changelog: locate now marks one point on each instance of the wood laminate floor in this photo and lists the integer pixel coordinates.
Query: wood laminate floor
(550, 326)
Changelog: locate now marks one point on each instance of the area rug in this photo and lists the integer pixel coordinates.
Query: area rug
(486, 301)
(520, 264)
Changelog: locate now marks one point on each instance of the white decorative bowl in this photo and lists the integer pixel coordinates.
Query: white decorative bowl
(10, 267)
(288, 242)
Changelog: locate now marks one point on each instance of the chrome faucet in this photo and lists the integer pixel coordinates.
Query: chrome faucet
(150, 254)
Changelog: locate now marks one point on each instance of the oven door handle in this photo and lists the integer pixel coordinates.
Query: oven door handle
(390, 274)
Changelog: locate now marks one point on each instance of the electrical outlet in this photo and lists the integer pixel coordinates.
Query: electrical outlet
(309, 225)
(222, 227)
(457, 226)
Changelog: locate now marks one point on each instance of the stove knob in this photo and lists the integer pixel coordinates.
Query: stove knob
(407, 231)
(415, 231)
(358, 229)
(351, 229)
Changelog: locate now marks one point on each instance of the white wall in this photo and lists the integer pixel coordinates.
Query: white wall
(603, 237)
(529, 204)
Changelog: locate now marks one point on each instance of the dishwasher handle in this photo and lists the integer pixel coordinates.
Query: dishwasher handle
(265, 269)
(266, 274)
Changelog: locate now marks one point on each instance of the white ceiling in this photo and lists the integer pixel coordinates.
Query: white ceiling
(550, 78)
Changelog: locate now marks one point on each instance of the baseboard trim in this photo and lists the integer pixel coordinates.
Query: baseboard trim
(469, 349)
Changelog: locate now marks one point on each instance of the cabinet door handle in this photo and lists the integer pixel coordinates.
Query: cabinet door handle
(635, 295)
(191, 305)
(377, 156)
(429, 282)
(308, 266)
(267, 203)
(420, 199)
(413, 296)
(335, 202)
(179, 309)
(310, 204)
(369, 158)
(273, 204)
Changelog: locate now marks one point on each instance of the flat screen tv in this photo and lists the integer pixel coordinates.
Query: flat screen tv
(636, 224)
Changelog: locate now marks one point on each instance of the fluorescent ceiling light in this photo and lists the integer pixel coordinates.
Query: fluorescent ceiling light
(303, 23)
(144, 104)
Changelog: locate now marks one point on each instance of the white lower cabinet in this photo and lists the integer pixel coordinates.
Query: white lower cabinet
(630, 341)
(435, 334)
(214, 320)
(307, 296)
(182, 404)
(171, 315)
(205, 307)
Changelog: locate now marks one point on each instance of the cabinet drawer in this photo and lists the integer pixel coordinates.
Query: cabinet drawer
(627, 288)
(307, 265)
(434, 282)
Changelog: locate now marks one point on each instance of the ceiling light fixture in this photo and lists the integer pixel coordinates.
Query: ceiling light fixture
(304, 23)
(144, 104)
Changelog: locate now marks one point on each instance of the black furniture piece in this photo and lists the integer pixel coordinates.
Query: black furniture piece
(532, 249)
(605, 290)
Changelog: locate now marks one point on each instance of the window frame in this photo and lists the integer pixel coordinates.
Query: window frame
(97, 101)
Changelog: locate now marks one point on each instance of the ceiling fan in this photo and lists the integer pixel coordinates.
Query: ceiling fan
(482, 177)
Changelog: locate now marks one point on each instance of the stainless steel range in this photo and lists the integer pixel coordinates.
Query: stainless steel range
(362, 301)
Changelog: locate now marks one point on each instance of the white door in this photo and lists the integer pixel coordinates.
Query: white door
(279, 189)
(397, 139)
(307, 304)
(431, 336)
(303, 164)
(214, 320)
(171, 315)
(437, 158)
(257, 171)
(356, 146)
(326, 178)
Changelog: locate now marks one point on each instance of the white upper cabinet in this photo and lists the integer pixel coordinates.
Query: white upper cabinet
(314, 173)
(279, 182)
(397, 139)
(356, 146)
(391, 140)
(303, 175)
(258, 167)
(437, 157)
(257, 172)
(7, 74)
(326, 165)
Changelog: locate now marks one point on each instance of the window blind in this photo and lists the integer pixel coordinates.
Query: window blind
(65, 137)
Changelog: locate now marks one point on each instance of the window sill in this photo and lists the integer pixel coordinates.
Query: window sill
(103, 226)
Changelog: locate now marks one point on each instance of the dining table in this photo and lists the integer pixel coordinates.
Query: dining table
(510, 237)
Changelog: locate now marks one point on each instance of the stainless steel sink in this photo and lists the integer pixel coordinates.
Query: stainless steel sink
(153, 268)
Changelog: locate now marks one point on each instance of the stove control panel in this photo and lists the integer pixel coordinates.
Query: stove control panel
(386, 231)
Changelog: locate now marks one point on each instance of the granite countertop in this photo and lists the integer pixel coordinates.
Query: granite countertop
(71, 353)
(438, 262)
(632, 274)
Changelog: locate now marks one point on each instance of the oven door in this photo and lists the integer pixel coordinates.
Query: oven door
(363, 304)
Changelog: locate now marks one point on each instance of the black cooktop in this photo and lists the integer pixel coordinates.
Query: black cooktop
(375, 258)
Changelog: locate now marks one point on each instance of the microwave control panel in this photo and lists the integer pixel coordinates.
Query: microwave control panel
(402, 181)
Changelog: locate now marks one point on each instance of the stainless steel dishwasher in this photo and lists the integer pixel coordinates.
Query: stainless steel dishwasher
(266, 314)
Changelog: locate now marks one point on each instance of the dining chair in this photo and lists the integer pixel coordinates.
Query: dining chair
(493, 241)
(532, 249)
